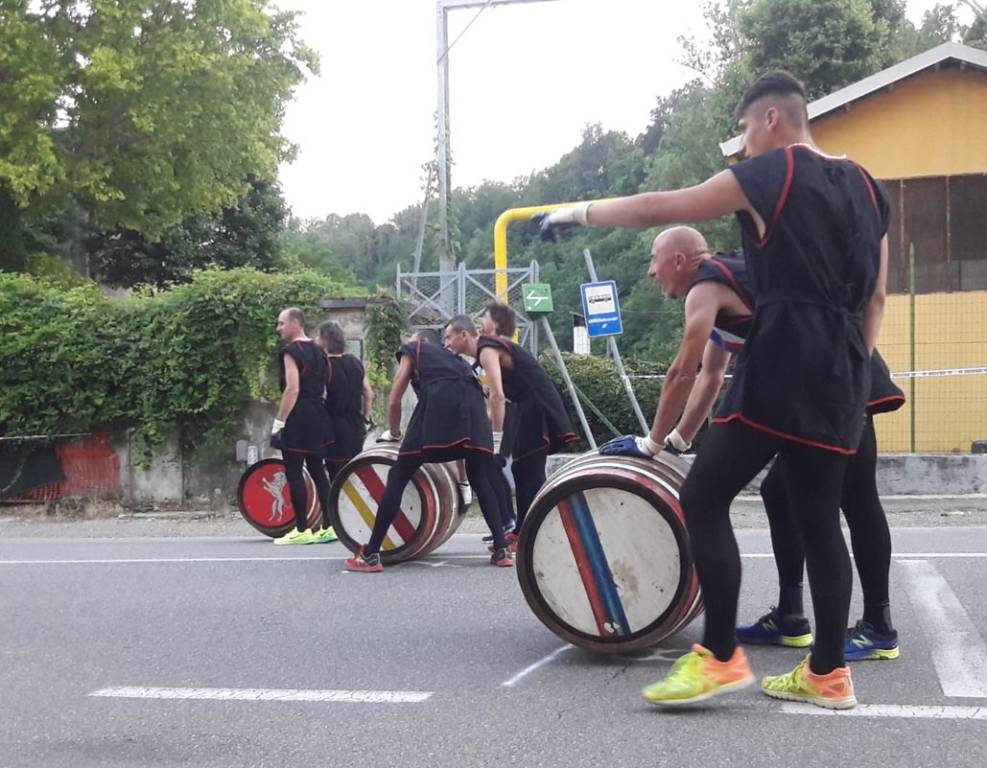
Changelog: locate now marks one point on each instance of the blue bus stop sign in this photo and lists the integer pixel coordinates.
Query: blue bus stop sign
(601, 308)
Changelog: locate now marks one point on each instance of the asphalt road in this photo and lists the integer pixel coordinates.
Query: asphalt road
(439, 663)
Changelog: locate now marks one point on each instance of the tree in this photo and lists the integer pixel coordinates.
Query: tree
(245, 235)
(143, 111)
(826, 43)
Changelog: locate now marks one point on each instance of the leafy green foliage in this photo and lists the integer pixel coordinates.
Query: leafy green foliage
(146, 111)
(189, 359)
(247, 235)
(597, 380)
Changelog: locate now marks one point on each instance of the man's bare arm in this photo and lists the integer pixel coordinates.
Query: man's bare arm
(497, 400)
(701, 306)
(874, 313)
(401, 380)
(704, 392)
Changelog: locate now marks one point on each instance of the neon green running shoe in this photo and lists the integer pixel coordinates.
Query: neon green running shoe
(833, 690)
(325, 536)
(699, 675)
(296, 537)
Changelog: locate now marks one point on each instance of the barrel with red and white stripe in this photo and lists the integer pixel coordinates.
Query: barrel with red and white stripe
(603, 557)
(430, 509)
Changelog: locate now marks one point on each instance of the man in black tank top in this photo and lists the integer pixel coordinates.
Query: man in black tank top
(301, 430)
(719, 298)
(814, 232)
(449, 422)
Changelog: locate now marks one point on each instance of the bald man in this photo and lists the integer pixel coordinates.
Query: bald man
(718, 310)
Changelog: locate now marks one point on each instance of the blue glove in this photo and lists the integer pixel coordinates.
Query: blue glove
(623, 446)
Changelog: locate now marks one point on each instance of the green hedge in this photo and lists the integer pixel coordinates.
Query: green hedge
(598, 381)
(72, 360)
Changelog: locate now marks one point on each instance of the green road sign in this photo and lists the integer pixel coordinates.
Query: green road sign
(537, 297)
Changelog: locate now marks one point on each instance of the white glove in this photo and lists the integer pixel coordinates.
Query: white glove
(674, 440)
(571, 214)
(646, 445)
(498, 438)
(550, 223)
(277, 426)
(387, 437)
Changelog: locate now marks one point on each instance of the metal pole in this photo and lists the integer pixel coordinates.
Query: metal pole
(442, 60)
(615, 353)
(911, 316)
(568, 382)
(422, 224)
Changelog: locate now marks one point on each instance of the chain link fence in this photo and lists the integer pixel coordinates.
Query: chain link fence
(434, 298)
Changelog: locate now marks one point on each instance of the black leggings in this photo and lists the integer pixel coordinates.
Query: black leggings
(293, 462)
(529, 477)
(478, 469)
(865, 518)
(731, 456)
(504, 495)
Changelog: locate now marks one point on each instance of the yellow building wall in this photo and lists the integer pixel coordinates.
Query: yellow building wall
(932, 124)
(950, 411)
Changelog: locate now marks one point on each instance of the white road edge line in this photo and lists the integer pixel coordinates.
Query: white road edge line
(532, 667)
(891, 710)
(959, 653)
(264, 694)
(136, 560)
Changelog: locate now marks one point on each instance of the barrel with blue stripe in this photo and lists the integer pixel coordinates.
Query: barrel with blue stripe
(603, 558)
(431, 508)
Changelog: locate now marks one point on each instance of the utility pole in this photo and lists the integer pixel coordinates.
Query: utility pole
(442, 46)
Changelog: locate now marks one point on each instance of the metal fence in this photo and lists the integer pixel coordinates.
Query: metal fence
(434, 298)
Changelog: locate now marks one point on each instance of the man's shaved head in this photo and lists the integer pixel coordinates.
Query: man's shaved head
(780, 89)
(675, 256)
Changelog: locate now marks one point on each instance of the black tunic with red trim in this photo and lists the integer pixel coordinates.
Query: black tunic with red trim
(451, 416)
(344, 404)
(542, 424)
(307, 428)
(730, 331)
(804, 373)
(885, 396)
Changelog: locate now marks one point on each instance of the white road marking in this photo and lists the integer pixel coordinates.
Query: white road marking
(265, 694)
(340, 558)
(891, 710)
(532, 667)
(959, 653)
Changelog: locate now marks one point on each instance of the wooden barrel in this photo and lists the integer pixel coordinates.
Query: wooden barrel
(603, 557)
(265, 501)
(431, 506)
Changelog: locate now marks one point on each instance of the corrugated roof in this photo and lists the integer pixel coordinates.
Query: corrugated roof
(963, 54)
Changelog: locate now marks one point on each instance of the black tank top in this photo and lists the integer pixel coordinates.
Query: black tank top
(312, 365)
(434, 363)
(729, 331)
(804, 372)
(344, 395)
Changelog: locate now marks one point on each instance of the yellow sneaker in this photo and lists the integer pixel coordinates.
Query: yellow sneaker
(832, 691)
(296, 537)
(325, 536)
(699, 675)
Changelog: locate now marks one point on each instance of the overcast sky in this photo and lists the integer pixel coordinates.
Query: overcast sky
(524, 80)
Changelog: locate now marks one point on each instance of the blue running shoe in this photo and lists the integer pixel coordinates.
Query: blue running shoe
(773, 628)
(863, 642)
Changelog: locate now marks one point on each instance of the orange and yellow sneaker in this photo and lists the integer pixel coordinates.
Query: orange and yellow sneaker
(699, 675)
(833, 690)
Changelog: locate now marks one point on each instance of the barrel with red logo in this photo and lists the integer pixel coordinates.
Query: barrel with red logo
(603, 557)
(431, 507)
(265, 500)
